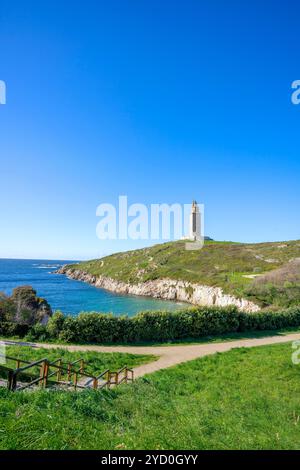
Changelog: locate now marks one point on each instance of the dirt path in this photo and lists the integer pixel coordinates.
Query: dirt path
(169, 356)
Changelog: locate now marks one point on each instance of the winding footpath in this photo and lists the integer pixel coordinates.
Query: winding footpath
(168, 356)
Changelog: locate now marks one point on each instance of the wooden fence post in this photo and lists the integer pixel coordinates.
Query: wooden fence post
(10, 380)
(14, 381)
(58, 376)
(46, 371)
(69, 372)
(42, 374)
(75, 380)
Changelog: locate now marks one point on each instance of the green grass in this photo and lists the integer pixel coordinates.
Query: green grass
(94, 362)
(242, 399)
(223, 338)
(223, 264)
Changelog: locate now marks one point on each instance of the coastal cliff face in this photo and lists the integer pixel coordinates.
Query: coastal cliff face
(167, 289)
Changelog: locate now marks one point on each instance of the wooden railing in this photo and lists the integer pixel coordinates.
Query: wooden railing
(51, 373)
(12, 384)
(122, 375)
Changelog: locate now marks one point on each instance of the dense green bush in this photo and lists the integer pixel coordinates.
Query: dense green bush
(37, 332)
(284, 296)
(24, 307)
(13, 329)
(153, 326)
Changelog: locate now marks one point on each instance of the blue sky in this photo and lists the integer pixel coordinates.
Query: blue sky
(163, 101)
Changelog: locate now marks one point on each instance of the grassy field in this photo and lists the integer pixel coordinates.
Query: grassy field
(94, 362)
(242, 399)
(224, 264)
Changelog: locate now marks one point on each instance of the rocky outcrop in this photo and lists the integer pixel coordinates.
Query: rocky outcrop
(24, 307)
(167, 289)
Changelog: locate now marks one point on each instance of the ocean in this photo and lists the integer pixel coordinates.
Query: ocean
(69, 296)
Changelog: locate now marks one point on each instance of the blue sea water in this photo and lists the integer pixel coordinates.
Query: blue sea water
(69, 296)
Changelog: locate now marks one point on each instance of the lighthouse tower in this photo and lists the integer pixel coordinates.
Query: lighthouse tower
(195, 228)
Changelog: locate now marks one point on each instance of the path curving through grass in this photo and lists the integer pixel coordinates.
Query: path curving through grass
(168, 356)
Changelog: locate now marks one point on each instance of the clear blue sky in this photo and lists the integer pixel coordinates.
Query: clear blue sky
(164, 101)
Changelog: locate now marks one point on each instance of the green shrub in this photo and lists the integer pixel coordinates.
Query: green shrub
(154, 326)
(23, 306)
(283, 296)
(55, 324)
(13, 329)
(37, 332)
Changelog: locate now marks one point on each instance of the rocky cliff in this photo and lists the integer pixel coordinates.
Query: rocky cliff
(167, 289)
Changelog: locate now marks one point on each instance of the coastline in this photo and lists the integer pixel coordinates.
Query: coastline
(165, 289)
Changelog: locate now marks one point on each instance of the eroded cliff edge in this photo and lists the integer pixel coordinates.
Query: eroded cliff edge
(167, 289)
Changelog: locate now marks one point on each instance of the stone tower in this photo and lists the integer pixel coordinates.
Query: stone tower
(195, 229)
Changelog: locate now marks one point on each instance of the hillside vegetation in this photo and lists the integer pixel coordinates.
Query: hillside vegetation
(235, 267)
(24, 307)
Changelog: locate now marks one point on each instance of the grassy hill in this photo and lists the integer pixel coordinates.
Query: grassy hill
(268, 273)
(242, 399)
